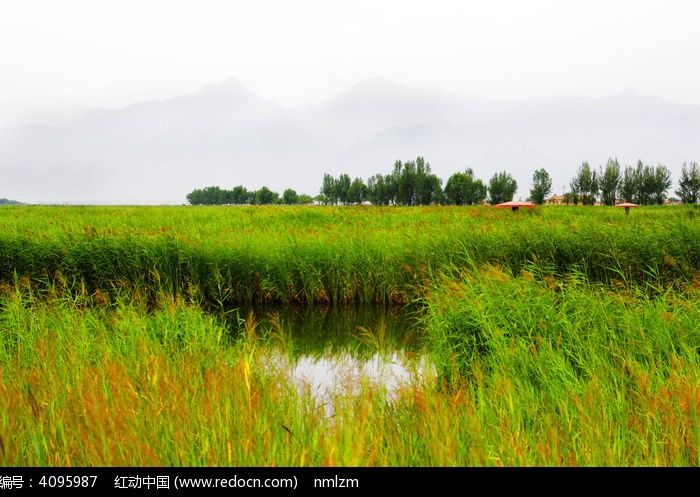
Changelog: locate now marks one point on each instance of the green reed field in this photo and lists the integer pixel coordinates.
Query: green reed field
(561, 336)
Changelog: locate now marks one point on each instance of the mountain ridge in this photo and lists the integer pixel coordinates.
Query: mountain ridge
(157, 151)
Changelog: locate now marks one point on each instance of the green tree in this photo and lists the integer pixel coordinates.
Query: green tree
(584, 186)
(652, 183)
(329, 189)
(427, 186)
(357, 193)
(541, 186)
(456, 189)
(661, 184)
(290, 197)
(432, 190)
(628, 185)
(413, 183)
(265, 196)
(343, 187)
(403, 177)
(378, 190)
(645, 182)
(305, 199)
(502, 188)
(478, 192)
(689, 183)
(240, 195)
(464, 189)
(211, 195)
(610, 182)
(195, 197)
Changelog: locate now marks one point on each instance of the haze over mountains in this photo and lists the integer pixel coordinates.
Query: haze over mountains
(158, 151)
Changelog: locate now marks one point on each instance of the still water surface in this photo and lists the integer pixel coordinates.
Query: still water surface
(331, 351)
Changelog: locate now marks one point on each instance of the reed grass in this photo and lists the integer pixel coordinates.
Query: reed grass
(117, 386)
(571, 361)
(222, 257)
(560, 337)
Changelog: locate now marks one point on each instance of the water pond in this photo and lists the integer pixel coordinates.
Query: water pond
(329, 351)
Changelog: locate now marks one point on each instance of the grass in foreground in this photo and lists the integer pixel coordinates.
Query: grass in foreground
(96, 385)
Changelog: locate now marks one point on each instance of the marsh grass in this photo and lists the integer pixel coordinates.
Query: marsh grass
(571, 361)
(117, 386)
(560, 337)
(224, 257)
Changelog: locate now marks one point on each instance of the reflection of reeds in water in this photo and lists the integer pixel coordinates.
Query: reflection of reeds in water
(377, 338)
(281, 334)
(326, 380)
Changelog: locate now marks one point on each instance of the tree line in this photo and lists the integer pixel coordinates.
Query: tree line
(642, 184)
(214, 195)
(413, 183)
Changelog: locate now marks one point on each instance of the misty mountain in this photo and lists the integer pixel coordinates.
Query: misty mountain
(158, 151)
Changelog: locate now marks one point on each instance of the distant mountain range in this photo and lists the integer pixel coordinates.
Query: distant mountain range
(156, 152)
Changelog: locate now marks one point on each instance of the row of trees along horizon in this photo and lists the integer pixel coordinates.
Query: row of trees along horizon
(413, 183)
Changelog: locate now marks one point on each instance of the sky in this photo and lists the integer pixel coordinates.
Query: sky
(92, 53)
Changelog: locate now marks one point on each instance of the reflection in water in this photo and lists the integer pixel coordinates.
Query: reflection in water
(329, 330)
(334, 351)
(328, 377)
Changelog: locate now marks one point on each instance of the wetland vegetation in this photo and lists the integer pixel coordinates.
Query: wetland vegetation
(556, 336)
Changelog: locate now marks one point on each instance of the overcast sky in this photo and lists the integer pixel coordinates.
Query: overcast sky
(111, 54)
